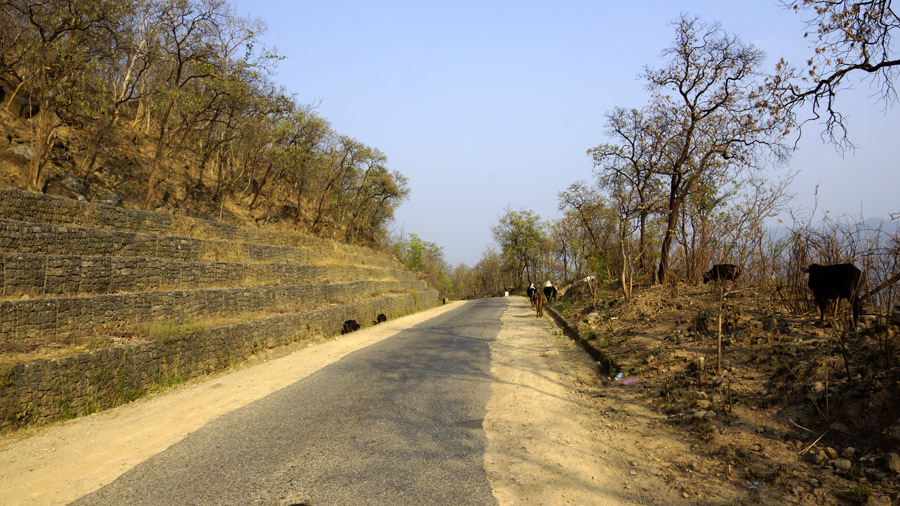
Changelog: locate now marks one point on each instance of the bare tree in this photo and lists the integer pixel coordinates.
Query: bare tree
(187, 57)
(852, 38)
(631, 161)
(706, 106)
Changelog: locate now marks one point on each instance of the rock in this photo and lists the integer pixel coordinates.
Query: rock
(22, 153)
(110, 199)
(842, 464)
(697, 364)
(703, 404)
(893, 462)
(817, 391)
(839, 427)
(700, 414)
(849, 452)
(69, 186)
(879, 500)
(894, 430)
(770, 324)
(831, 452)
(783, 326)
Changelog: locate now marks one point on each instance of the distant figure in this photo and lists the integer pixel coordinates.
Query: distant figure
(549, 291)
(723, 272)
(539, 303)
(531, 290)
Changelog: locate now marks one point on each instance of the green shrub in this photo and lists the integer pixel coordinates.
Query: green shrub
(859, 494)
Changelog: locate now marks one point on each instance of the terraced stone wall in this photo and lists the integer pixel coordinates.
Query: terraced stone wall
(49, 390)
(83, 276)
(157, 231)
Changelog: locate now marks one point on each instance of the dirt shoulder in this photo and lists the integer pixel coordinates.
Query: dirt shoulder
(557, 436)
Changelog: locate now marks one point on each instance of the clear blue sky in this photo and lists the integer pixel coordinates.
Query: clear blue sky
(488, 104)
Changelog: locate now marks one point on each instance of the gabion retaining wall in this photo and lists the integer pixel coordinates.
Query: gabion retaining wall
(59, 319)
(71, 270)
(37, 275)
(30, 208)
(49, 390)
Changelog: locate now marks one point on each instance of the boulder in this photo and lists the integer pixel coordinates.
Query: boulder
(842, 464)
(69, 186)
(20, 153)
(893, 462)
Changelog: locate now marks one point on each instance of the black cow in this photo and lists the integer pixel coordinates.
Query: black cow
(835, 282)
(531, 290)
(549, 293)
(349, 326)
(379, 319)
(723, 272)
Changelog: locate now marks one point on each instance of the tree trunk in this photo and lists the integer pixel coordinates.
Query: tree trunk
(674, 206)
(641, 256)
(663, 271)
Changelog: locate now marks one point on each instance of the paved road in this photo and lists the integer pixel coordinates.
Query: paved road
(396, 423)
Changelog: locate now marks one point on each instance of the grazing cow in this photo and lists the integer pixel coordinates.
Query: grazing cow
(835, 282)
(349, 326)
(380, 318)
(723, 272)
(538, 302)
(531, 290)
(549, 291)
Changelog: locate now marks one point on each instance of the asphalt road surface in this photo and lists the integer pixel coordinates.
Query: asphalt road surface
(399, 422)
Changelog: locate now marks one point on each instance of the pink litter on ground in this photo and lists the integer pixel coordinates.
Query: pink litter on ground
(629, 381)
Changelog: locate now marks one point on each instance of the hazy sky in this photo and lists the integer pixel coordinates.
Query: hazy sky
(486, 105)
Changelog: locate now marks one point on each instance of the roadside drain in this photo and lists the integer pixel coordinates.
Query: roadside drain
(472, 424)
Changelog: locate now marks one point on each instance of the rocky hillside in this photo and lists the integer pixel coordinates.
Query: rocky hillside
(796, 412)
